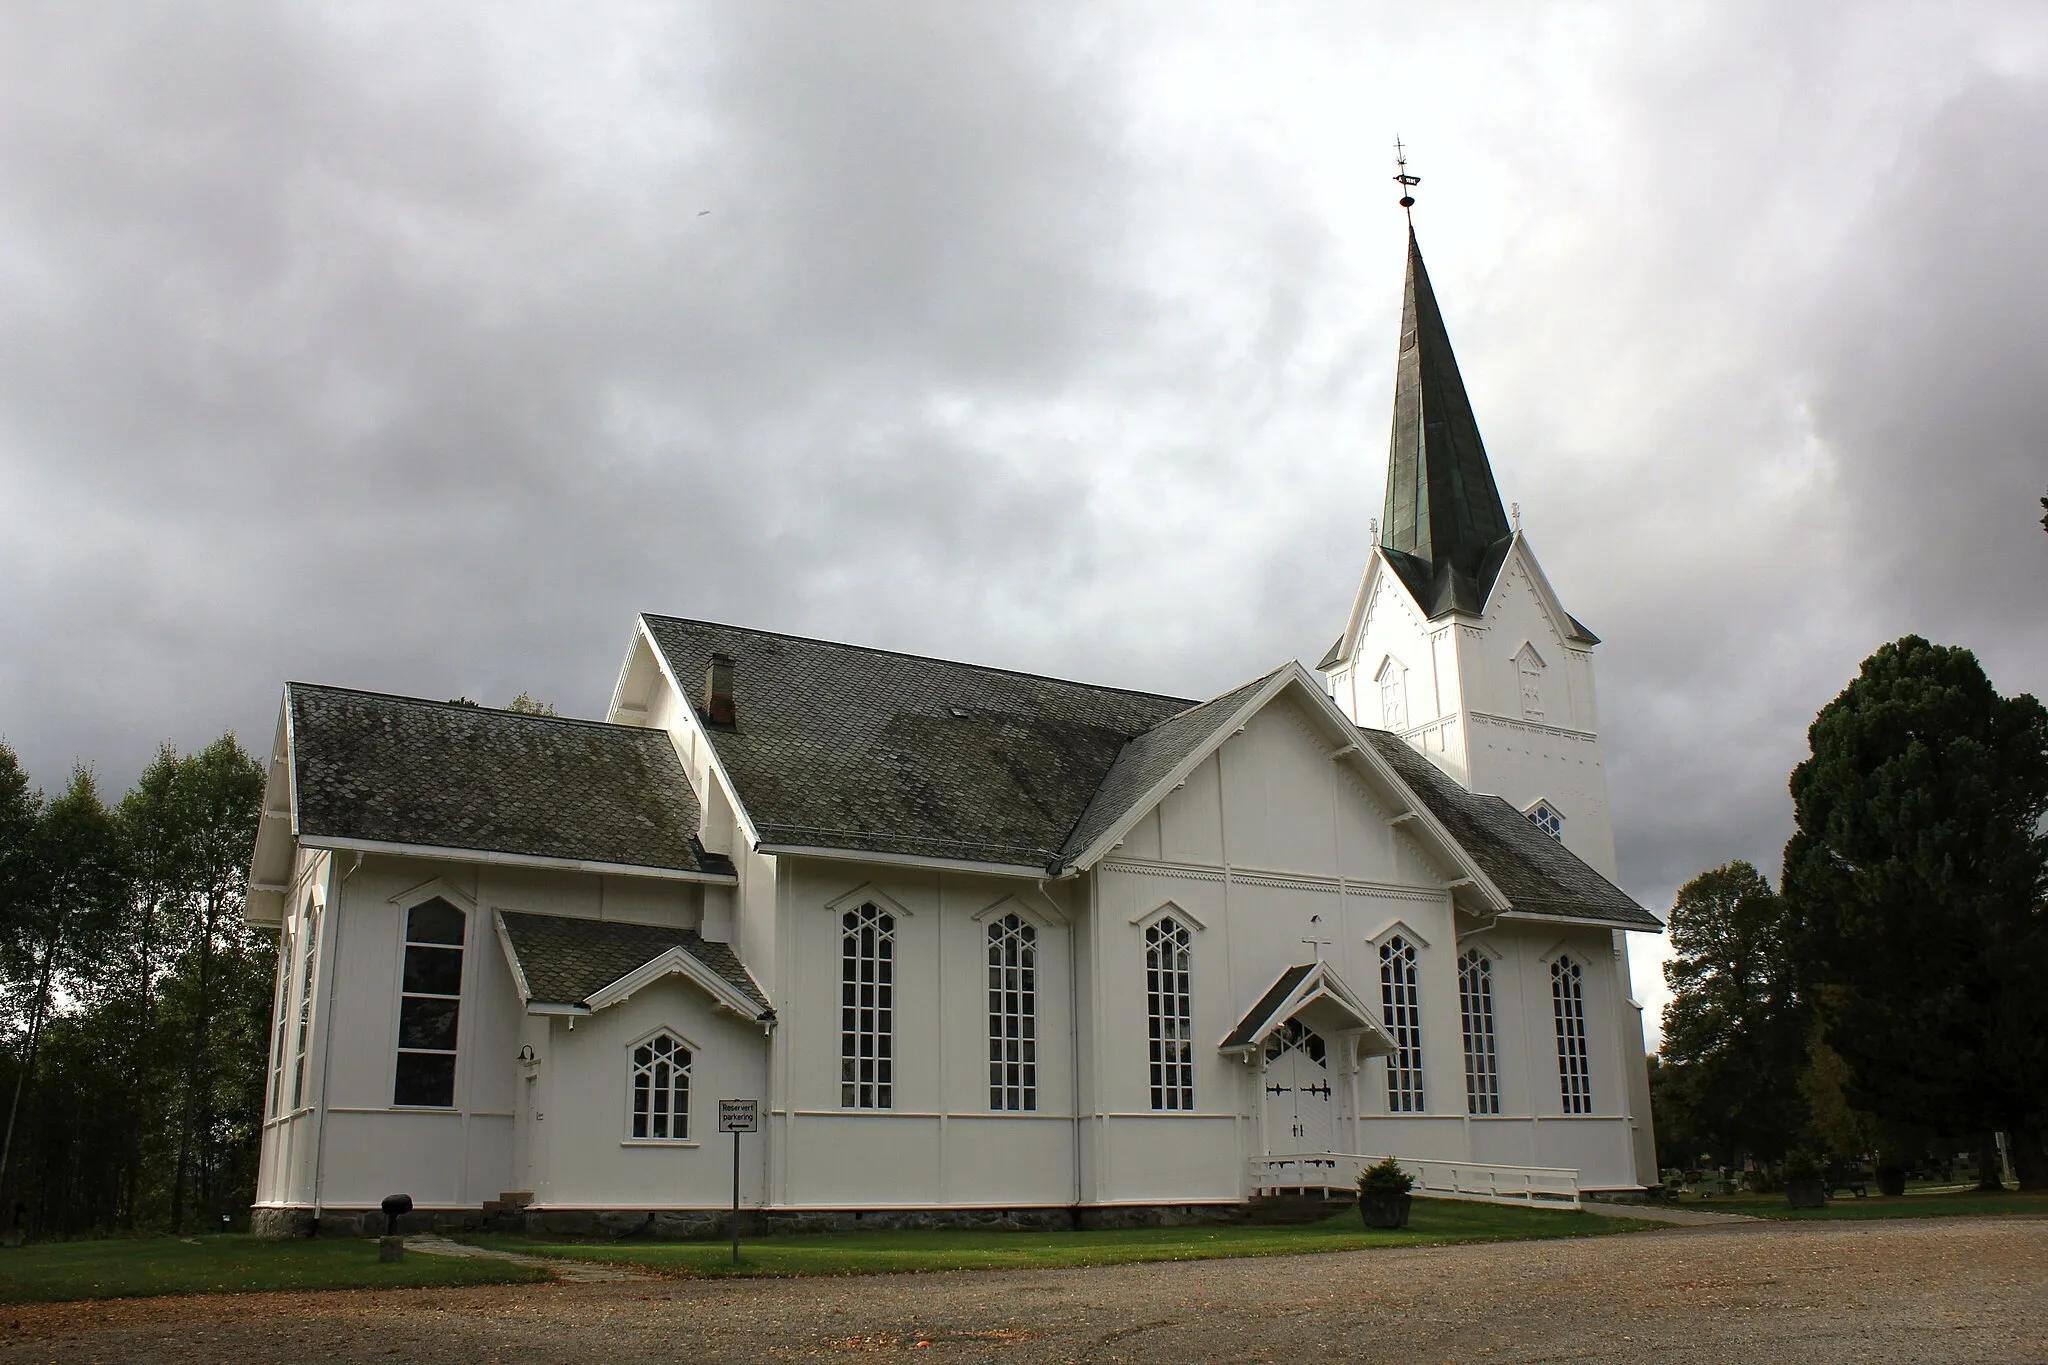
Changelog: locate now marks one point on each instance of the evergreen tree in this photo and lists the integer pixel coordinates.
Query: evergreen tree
(1916, 874)
(1734, 1028)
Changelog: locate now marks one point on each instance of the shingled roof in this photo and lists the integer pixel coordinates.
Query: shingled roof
(565, 961)
(843, 747)
(399, 770)
(1538, 875)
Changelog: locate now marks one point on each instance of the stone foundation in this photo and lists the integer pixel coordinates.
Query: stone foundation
(708, 1224)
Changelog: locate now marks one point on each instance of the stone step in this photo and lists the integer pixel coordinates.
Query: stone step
(517, 1199)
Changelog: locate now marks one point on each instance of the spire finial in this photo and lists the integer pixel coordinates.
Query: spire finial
(1515, 512)
(1406, 181)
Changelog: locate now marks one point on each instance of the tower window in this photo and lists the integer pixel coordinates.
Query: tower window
(1544, 816)
(1529, 667)
(1393, 681)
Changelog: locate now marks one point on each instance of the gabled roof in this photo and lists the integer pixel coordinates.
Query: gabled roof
(371, 769)
(560, 960)
(841, 747)
(1146, 760)
(1538, 875)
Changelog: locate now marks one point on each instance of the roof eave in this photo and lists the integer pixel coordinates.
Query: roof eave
(497, 857)
(1027, 871)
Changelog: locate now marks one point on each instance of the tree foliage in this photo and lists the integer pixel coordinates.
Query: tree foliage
(136, 1040)
(1916, 874)
(1734, 1031)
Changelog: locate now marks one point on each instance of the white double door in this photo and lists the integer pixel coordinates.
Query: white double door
(1299, 1104)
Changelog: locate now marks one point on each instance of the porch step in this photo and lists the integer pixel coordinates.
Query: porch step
(1291, 1210)
(507, 1203)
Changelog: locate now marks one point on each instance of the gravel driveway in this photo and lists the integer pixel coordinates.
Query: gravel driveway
(1920, 1290)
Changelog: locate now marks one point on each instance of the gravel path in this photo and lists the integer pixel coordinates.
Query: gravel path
(1919, 1290)
(571, 1272)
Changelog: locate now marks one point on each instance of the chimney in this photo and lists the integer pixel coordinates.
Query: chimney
(718, 700)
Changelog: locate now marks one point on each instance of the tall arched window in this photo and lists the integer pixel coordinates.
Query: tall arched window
(1529, 667)
(281, 1032)
(309, 973)
(1012, 1014)
(1401, 999)
(1568, 999)
(1475, 1010)
(867, 1008)
(430, 1005)
(660, 1075)
(1169, 1013)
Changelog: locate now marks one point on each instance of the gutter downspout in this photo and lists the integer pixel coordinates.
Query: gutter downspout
(327, 1043)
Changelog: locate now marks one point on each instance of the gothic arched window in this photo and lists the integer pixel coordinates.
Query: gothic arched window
(660, 1074)
(1401, 999)
(1475, 1011)
(1169, 1013)
(1012, 1014)
(1568, 1001)
(430, 1005)
(867, 1008)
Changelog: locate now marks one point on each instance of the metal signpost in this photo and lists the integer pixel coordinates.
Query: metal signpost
(736, 1117)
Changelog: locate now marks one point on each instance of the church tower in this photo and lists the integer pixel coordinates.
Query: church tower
(1456, 640)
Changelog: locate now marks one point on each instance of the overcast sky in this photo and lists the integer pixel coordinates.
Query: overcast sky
(419, 347)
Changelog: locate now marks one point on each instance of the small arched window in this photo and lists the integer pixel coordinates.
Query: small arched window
(1012, 1014)
(1401, 1000)
(1568, 1001)
(660, 1075)
(1475, 1010)
(1544, 816)
(1169, 1013)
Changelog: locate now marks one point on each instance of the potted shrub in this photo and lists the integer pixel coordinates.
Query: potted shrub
(1383, 1197)
(1806, 1181)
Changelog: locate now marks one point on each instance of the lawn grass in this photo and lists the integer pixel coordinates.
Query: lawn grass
(1940, 1202)
(132, 1267)
(1434, 1222)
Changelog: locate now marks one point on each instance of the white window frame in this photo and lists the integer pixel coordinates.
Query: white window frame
(689, 1051)
(1479, 1022)
(280, 1034)
(1401, 1012)
(309, 981)
(1170, 1013)
(1568, 1013)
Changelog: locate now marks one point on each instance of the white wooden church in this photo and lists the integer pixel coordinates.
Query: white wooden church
(988, 947)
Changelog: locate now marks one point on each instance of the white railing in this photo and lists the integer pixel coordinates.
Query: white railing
(1550, 1187)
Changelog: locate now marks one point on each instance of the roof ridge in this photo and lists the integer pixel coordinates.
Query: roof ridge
(466, 707)
(924, 658)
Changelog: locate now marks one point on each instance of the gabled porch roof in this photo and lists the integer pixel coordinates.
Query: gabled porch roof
(1315, 987)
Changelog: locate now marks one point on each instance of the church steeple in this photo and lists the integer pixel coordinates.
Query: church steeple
(1445, 528)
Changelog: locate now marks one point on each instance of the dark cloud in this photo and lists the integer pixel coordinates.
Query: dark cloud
(396, 348)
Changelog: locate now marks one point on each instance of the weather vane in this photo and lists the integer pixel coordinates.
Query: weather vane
(1406, 181)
